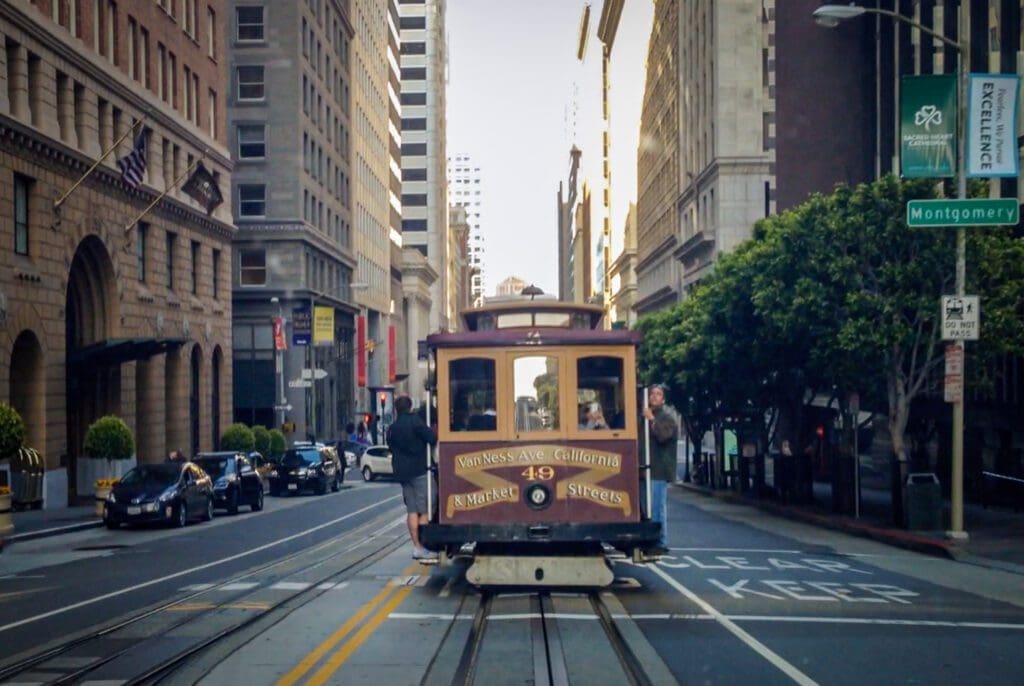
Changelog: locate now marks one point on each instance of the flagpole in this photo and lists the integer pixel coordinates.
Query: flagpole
(128, 227)
(60, 201)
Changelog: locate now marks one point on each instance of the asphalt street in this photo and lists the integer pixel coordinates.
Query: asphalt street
(743, 597)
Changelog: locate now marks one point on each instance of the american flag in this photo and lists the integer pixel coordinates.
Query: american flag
(133, 165)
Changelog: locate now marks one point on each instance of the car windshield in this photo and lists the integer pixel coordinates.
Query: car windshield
(216, 466)
(148, 475)
(300, 458)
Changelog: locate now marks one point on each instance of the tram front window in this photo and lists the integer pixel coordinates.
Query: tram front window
(535, 384)
(471, 384)
(600, 391)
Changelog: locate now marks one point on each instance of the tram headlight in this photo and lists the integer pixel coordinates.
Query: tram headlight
(538, 496)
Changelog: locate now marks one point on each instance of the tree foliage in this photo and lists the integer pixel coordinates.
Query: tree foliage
(12, 431)
(238, 437)
(109, 438)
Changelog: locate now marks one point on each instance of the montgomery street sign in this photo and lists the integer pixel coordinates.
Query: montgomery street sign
(975, 212)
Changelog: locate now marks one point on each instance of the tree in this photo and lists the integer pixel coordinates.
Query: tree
(12, 431)
(261, 439)
(238, 437)
(109, 438)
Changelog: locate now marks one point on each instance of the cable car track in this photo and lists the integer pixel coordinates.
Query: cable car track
(551, 663)
(370, 532)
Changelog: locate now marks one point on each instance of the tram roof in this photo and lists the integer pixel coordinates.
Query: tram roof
(532, 337)
(490, 314)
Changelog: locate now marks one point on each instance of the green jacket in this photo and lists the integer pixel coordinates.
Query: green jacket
(664, 440)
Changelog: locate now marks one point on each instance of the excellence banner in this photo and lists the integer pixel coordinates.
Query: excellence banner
(992, 125)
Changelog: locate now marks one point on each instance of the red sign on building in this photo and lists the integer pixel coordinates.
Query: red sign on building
(279, 340)
(361, 350)
(392, 354)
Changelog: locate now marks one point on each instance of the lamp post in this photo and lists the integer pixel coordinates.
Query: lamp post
(830, 16)
(279, 364)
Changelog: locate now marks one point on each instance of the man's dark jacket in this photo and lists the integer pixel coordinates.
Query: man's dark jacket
(664, 437)
(408, 438)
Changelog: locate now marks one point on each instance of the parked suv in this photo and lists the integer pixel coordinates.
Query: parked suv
(307, 466)
(235, 481)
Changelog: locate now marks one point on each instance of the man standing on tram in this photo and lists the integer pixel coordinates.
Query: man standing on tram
(664, 435)
(408, 438)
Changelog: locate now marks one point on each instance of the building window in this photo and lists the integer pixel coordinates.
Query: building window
(250, 82)
(187, 92)
(211, 114)
(161, 71)
(144, 57)
(414, 98)
(195, 267)
(188, 17)
(216, 274)
(414, 225)
(211, 33)
(252, 200)
(22, 193)
(141, 229)
(414, 149)
(253, 267)
(414, 73)
(414, 175)
(171, 238)
(414, 123)
(414, 48)
(133, 71)
(414, 200)
(412, 23)
(249, 23)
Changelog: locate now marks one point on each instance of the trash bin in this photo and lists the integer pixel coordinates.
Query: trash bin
(922, 502)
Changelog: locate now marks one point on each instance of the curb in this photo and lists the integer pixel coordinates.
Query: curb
(54, 531)
(893, 537)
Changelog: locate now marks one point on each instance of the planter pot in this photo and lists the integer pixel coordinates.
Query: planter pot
(6, 521)
(101, 493)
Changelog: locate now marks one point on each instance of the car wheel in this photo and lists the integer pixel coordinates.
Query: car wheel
(257, 504)
(182, 519)
(367, 473)
(336, 484)
(275, 492)
(112, 524)
(321, 487)
(209, 510)
(233, 501)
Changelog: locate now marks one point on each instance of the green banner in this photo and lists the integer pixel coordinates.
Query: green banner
(928, 126)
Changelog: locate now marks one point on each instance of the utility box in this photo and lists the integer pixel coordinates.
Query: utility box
(922, 502)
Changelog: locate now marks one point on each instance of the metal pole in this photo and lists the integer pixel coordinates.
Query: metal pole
(647, 456)
(956, 524)
(311, 356)
(279, 365)
(60, 201)
(430, 463)
(856, 463)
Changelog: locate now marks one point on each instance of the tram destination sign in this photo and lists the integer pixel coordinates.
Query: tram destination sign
(973, 212)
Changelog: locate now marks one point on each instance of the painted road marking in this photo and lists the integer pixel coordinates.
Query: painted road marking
(761, 649)
(739, 550)
(291, 586)
(318, 653)
(196, 587)
(427, 615)
(883, 593)
(239, 586)
(730, 562)
(191, 570)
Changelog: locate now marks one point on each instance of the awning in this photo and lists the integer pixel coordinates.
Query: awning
(118, 350)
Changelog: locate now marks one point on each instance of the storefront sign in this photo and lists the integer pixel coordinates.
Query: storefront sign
(323, 326)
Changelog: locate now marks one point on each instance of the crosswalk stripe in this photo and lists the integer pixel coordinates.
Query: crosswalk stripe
(238, 586)
(291, 585)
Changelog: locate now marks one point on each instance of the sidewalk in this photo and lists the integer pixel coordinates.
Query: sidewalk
(996, 535)
(30, 524)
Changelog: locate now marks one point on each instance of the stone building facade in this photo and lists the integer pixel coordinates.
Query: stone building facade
(102, 313)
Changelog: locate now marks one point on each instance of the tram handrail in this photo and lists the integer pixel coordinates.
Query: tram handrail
(647, 456)
(430, 464)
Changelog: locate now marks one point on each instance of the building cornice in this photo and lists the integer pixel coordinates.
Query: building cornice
(49, 152)
(657, 253)
(692, 244)
(751, 165)
(656, 300)
(295, 230)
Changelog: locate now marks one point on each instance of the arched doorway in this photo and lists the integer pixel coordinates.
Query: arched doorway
(28, 388)
(218, 360)
(195, 377)
(93, 387)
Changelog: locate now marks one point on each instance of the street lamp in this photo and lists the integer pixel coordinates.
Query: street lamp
(279, 365)
(830, 16)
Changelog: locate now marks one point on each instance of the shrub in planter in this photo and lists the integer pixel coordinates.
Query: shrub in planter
(262, 438)
(109, 438)
(238, 437)
(278, 443)
(12, 431)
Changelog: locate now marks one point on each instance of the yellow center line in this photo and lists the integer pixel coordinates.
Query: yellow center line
(338, 659)
(310, 660)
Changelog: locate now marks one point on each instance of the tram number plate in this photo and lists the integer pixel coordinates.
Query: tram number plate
(134, 510)
(542, 473)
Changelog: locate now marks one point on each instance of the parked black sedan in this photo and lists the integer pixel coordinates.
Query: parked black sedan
(307, 467)
(235, 481)
(171, 492)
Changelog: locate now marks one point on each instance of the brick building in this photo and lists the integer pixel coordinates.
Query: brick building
(101, 315)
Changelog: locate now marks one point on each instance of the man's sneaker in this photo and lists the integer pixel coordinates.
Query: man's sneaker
(424, 555)
(658, 550)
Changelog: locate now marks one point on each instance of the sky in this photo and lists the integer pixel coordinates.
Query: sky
(518, 99)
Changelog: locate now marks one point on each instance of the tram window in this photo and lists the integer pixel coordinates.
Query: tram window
(471, 384)
(535, 381)
(601, 380)
(554, 319)
(514, 320)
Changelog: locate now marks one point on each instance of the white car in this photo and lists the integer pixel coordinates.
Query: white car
(375, 461)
